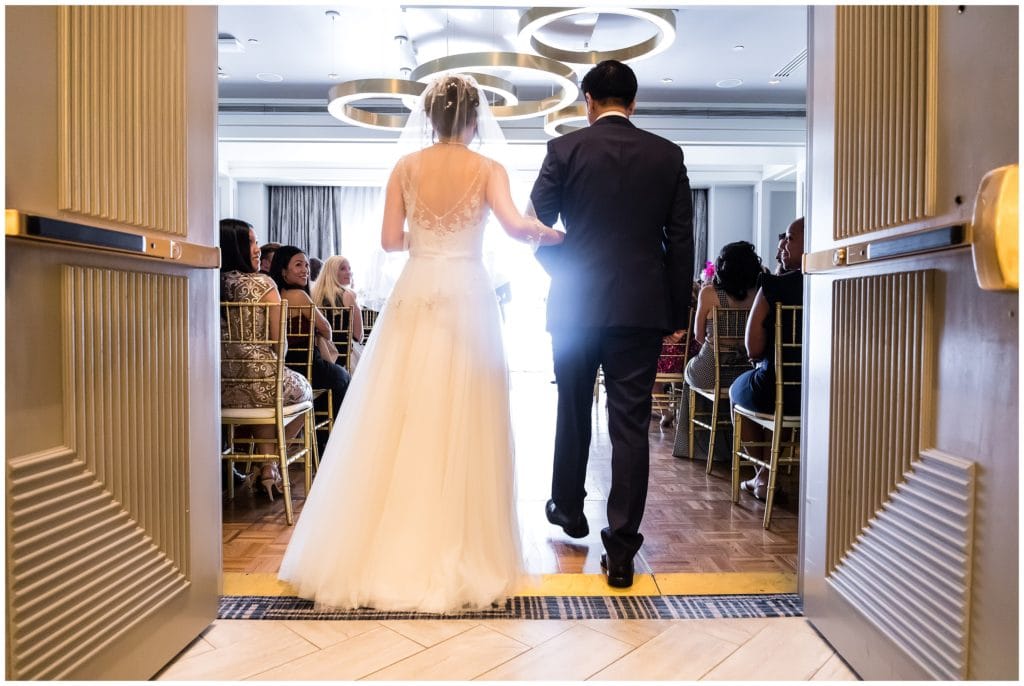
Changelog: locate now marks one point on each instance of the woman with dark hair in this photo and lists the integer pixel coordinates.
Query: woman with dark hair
(733, 285)
(240, 281)
(290, 271)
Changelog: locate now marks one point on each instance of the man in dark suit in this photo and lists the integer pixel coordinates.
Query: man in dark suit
(620, 281)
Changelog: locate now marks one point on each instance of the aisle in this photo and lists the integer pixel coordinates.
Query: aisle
(691, 526)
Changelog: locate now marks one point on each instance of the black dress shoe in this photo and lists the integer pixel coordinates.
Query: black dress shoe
(618, 575)
(574, 528)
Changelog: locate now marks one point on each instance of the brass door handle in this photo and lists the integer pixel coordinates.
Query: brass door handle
(994, 240)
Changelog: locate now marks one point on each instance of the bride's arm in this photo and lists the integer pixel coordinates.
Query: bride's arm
(392, 232)
(526, 229)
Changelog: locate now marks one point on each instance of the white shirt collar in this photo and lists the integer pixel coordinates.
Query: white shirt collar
(613, 113)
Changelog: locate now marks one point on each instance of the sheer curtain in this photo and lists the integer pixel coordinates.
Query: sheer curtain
(374, 271)
(700, 230)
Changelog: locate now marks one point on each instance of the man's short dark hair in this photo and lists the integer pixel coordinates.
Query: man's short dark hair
(610, 83)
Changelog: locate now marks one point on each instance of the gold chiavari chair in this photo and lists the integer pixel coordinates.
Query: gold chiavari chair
(369, 319)
(788, 372)
(301, 342)
(247, 343)
(729, 325)
(668, 386)
(340, 319)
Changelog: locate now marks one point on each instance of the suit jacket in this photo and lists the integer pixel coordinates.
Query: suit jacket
(624, 199)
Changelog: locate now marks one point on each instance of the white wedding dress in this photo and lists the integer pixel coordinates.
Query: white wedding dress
(414, 506)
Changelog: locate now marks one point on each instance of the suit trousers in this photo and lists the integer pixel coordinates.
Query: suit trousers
(629, 358)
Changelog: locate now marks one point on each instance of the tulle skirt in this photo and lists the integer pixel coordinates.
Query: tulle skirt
(414, 504)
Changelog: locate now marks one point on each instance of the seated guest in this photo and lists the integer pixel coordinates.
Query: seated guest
(335, 290)
(735, 277)
(779, 266)
(290, 271)
(755, 390)
(240, 282)
(267, 255)
(315, 265)
(671, 361)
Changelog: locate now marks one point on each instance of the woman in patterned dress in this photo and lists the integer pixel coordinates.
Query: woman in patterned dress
(240, 281)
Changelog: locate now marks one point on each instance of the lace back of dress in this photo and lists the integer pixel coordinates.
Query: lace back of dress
(444, 191)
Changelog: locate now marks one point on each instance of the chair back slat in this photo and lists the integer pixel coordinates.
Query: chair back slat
(731, 360)
(247, 342)
(788, 349)
(340, 319)
(301, 336)
(369, 319)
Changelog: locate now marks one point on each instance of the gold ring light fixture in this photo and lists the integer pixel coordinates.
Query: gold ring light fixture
(535, 19)
(562, 75)
(551, 64)
(341, 97)
(564, 120)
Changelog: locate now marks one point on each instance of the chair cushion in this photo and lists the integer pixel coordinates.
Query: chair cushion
(263, 412)
(767, 419)
(708, 393)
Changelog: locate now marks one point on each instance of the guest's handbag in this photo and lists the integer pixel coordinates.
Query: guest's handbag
(327, 349)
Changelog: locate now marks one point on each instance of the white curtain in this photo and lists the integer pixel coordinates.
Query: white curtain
(374, 271)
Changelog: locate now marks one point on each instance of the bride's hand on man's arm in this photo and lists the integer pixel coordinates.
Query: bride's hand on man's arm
(544, 234)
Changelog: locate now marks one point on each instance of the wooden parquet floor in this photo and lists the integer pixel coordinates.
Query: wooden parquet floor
(690, 525)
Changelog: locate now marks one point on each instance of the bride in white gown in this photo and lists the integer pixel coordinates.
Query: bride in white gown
(414, 504)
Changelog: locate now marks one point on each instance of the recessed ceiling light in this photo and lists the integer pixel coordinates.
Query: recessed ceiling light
(269, 77)
(737, 48)
(332, 75)
(666, 80)
(774, 82)
(729, 83)
(222, 75)
(254, 41)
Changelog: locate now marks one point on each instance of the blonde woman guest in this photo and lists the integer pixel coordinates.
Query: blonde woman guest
(334, 289)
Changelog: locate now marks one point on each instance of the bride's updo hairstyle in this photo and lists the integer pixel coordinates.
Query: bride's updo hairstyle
(451, 102)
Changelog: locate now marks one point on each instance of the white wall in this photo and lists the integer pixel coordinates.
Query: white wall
(730, 216)
(251, 206)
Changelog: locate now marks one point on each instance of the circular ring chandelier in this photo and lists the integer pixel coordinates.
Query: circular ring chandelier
(563, 121)
(340, 97)
(561, 74)
(538, 17)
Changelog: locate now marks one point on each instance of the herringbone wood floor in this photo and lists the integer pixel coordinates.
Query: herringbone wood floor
(690, 525)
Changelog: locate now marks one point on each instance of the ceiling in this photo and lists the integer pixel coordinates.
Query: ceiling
(300, 44)
(281, 133)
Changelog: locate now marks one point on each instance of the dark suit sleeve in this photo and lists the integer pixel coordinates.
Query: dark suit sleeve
(546, 198)
(679, 249)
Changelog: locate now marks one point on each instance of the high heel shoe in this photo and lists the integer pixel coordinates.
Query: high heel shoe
(270, 477)
(250, 479)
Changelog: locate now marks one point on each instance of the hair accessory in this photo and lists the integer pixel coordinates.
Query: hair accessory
(709, 270)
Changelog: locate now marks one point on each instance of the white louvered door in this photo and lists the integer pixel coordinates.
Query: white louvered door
(112, 471)
(909, 520)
